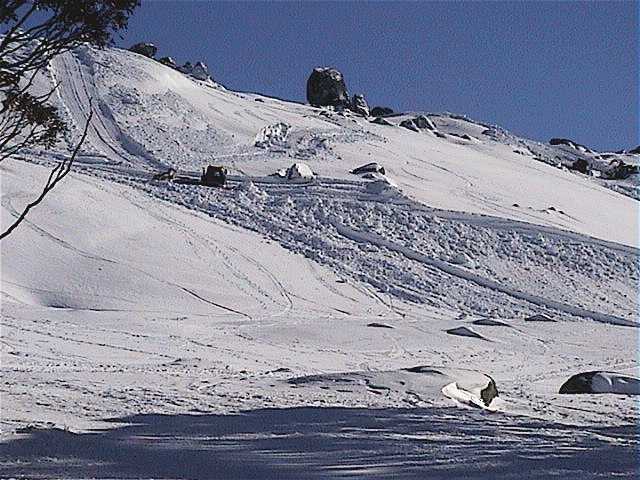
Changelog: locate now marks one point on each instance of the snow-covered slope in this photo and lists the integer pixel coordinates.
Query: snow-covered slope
(122, 295)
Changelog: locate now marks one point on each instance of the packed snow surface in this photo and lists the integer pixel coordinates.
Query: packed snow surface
(231, 327)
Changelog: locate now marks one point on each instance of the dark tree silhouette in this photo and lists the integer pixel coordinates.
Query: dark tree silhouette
(32, 32)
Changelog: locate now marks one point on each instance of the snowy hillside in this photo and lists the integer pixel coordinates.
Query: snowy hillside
(473, 266)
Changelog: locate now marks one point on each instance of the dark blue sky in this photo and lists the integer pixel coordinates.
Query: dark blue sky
(540, 69)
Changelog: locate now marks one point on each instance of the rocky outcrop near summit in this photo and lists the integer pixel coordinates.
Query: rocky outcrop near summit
(326, 87)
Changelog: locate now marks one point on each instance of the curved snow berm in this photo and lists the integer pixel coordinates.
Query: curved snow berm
(418, 384)
(601, 382)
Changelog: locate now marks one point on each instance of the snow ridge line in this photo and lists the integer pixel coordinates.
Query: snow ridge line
(374, 239)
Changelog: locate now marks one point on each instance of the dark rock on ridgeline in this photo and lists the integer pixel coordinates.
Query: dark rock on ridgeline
(635, 151)
(169, 62)
(187, 68)
(359, 105)
(408, 123)
(201, 72)
(570, 143)
(382, 121)
(326, 87)
(421, 121)
(144, 48)
(381, 111)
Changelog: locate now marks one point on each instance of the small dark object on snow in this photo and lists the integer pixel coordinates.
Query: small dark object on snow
(326, 87)
(515, 205)
(214, 176)
(381, 111)
(369, 168)
(580, 165)
(579, 383)
(408, 123)
(381, 121)
(144, 48)
(539, 317)
(379, 325)
(168, 175)
(489, 392)
(169, 62)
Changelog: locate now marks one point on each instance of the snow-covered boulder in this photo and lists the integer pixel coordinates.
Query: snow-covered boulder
(144, 48)
(326, 87)
(601, 382)
(272, 135)
(372, 167)
(408, 123)
(300, 172)
(359, 105)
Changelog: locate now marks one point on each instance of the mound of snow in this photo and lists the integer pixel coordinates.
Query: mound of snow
(272, 135)
(464, 332)
(381, 186)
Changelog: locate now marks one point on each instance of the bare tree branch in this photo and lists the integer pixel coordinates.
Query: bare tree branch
(57, 174)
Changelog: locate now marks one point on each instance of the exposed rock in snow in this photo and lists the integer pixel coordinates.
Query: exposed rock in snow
(601, 382)
(379, 325)
(144, 48)
(570, 143)
(409, 123)
(422, 121)
(187, 68)
(539, 317)
(372, 167)
(359, 105)
(489, 322)
(382, 121)
(272, 135)
(580, 165)
(326, 87)
(169, 62)
(300, 172)
(635, 151)
(381, 111)
(201, 72)
(382, 186)
(464, 332)
(460, 258)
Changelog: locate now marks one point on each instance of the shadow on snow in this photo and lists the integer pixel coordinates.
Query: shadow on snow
(326, 443)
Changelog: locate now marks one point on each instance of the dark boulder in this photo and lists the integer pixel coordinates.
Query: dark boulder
(169, 62)
(201, 72)
(326, 87)
(187, 68)
(580, 165)
(359, 105)
(421, 121)
(144, 48)
(382, 121)
(620, 170)
(489, 392)
(381, 111)
(408, 123)
(580, 383)
(369, 168)
(601, 382)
